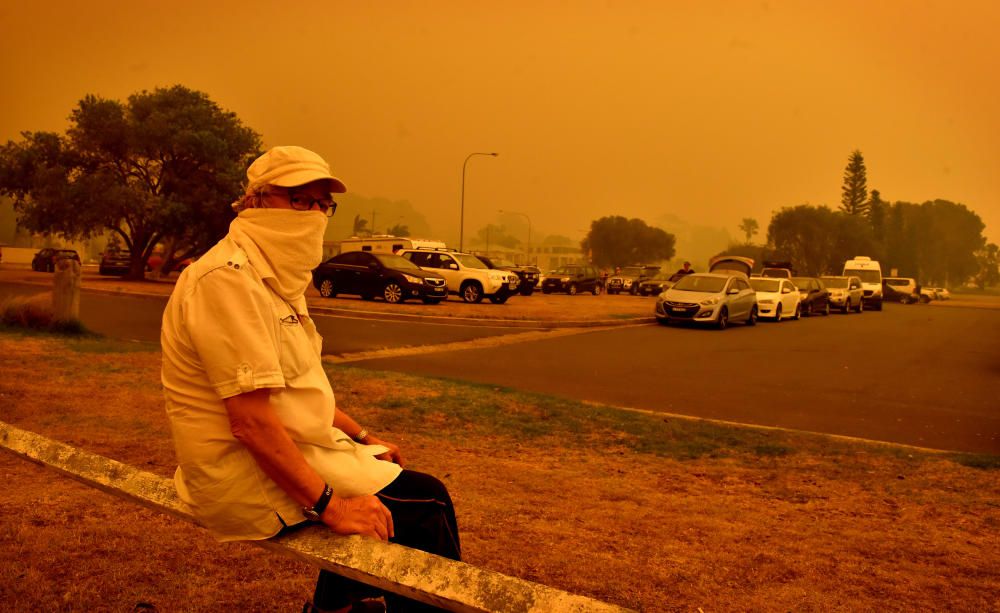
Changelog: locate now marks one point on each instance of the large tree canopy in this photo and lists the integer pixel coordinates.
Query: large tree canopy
(935, 242)
(161, 168)
(817, 240)
(617, 241)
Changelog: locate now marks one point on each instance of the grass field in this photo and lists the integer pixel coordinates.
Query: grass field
(654, 513)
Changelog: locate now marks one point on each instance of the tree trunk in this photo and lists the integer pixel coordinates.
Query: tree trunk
(66, 290)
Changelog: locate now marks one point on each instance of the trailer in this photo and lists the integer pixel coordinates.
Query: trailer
(386, 243)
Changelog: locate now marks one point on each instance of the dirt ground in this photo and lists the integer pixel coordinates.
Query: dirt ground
(802, 524)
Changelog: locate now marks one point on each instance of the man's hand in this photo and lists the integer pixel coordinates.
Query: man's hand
(393, 455)
(365, 515)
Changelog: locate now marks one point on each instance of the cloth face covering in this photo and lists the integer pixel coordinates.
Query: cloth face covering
(288, 242)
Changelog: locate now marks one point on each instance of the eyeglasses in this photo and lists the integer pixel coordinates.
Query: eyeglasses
(302, 202)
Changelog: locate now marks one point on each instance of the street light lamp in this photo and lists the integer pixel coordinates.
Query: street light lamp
(525, 215)
(461, 223)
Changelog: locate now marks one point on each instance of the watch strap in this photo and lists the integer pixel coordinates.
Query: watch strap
(314, 513)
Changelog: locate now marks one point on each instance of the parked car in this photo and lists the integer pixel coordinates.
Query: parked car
(629, 278)
(813, 295)
(573, 279)
(659, 283)
(726, 264)
(528, 275)
(45, 260)
(378, 274)
(709, 298)
(116, 262)
(155, 260)
(870, 273)
(900, 289)
(466, 275)
(935, 293)
(777, 269)
(777, 298)
(846, 292)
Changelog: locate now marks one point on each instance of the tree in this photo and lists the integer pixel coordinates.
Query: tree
(935, 242)
(854, 193)
(817, 240)
(164, 166)
(493, 235)
(876, 214)
(989, 266)
(617, 241)
(360, 226)
(398, 230)
(749, 227)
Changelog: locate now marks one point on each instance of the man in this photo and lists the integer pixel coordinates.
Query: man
(685, 270)
(260, 445)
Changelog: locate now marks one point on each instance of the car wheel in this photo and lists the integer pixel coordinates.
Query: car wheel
(663, 321)
(878, 306)
(546, 290)
(472, 292)
(572, 289)
(634, 291)
(847, 307)
(826, 310)
(597, 290)
(861, 306)
(777, 314)
(798, 312)
(326, 288)
(723, 319)
(752, 318)
(527, 291)
(431, 300)
(498, 299)
(393, 293)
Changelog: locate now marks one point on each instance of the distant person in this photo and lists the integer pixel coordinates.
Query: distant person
(262, 447)
(685, 270)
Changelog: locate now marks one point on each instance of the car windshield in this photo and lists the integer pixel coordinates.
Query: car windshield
(866, 275)
(840, 282)
(631, 271)
(897, 282)
(566, 270)
(801, 282)
(395, 261)
(693, 283)
(469, 261)
(765, 285)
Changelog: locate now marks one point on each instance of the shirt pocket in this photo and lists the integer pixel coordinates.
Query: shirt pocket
(294, 346)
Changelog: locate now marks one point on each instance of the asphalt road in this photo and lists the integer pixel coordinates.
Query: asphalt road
(134, 317)
(910, 374)
(915, 374)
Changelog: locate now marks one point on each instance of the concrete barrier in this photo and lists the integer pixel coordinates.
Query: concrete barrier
(454, 586)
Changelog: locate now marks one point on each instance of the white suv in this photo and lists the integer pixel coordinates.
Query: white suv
(466, 274)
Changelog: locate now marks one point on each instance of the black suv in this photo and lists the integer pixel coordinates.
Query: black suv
(629, 278)
(369, 274)
(572, 279)
(527, 274)
(45, 260)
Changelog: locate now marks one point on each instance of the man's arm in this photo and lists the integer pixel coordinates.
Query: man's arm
(254, 423)
(346, 424)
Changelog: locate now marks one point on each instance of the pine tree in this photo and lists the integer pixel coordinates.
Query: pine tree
(854, 193)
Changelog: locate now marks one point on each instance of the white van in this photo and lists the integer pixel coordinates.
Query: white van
(386, 243)
(870, 273)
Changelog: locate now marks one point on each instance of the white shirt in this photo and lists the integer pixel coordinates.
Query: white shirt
(225, 332)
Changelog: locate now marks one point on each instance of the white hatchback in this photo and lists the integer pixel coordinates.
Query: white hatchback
(777, 299)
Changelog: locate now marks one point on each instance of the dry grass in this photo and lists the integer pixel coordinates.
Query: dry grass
(652, 514)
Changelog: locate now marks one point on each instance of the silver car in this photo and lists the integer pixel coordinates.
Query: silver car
(709, 298)
(846, 293)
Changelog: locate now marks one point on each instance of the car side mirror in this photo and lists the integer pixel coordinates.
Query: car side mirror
(733, 291)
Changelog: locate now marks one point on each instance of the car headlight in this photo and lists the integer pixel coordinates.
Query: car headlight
(710, 301)
(565, 279)
(413, 279)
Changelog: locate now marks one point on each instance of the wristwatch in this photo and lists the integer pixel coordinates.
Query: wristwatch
(313, 513)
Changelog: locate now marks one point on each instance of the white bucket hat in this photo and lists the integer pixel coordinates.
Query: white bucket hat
(291, 166)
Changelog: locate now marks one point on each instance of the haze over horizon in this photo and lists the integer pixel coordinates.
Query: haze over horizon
(705, 112)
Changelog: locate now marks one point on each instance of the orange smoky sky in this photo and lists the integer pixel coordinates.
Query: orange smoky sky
(695, 112)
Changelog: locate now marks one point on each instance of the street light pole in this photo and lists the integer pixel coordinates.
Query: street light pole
(525, 215)
(461, 223)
